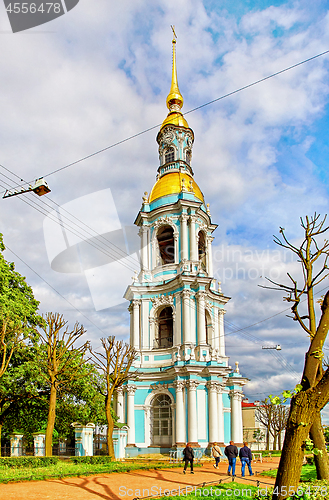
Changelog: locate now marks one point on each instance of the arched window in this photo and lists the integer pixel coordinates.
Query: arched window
(169, 155)
(188, 156)
(166, 244)
(165, 329)
(202, 250)
(161, 421)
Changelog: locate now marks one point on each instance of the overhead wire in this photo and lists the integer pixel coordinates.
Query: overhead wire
(112, 247)
(186, 113)
(74, 231)
(53, 288)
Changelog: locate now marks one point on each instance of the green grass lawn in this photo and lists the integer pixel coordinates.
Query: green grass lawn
(69, 469)
(308, 473)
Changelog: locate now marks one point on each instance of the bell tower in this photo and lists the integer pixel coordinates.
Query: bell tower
(186, 391)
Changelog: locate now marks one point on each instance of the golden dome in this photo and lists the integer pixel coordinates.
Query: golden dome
(172, 184)
(175, 118)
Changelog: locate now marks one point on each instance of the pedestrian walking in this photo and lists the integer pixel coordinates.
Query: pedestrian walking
(216, 453)
(246, 458)
(188, 455)
(231, 452)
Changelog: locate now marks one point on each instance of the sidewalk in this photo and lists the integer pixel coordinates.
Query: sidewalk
(129, 485)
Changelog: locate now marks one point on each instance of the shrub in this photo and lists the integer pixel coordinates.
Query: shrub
(30, 462)
(99, 459)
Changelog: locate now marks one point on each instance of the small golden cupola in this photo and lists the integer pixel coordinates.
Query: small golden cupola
(175, 139)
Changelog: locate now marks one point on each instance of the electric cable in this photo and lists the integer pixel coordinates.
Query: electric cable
(70, 303)
(121, 253)
(187, 112)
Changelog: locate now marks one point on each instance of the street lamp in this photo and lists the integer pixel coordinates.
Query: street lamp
(276, 347)
(40, 188)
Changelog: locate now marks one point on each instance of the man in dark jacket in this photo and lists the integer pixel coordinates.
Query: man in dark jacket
(246, 458)
(231, 452)
(188, 455)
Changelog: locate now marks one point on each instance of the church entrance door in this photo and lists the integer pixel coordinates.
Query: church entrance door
(161, 421)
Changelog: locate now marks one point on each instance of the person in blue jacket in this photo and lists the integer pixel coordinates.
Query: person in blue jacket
(246, 458)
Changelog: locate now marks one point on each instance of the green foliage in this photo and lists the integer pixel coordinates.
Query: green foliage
(30, 462)
(277, 400)
(16, 296)
(92, 460)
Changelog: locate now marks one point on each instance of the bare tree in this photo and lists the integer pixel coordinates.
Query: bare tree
(279, 422)
(264, 415)
(115, 365)
(313, 393)
(59, 362)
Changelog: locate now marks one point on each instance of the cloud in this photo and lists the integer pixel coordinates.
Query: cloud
(101, 74)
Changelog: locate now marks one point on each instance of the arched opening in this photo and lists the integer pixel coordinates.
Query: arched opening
(188, 156)
(165, 329)
(202, 250)
(166, 244)
(169, 155)
(161, 421)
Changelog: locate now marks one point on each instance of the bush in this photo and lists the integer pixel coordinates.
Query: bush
(32, 462)
(310, 460)
(99, 459)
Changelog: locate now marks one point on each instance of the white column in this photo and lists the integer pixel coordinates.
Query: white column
(201, 318)
(136, 323)
(180, 414)
(120, 408)
(220, 414)
(209, 256)
(215, 339)
(221, 333)
(193, 242)
(236, 416)
(176, 239)
(212, 411)
(192, 424)
(183, 237)
(144, 247)
(147, 424)
(131, 389)
(186, 316)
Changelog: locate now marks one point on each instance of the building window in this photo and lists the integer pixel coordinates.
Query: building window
(169, 155)
(166, 244)
(202, 250)
(165, 329)
(208, 327)
(161, 421)
(188, 156)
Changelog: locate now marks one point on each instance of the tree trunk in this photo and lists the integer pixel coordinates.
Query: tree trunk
(321, 461)
(0, 438)
(267, 439)
(279, 440)
(110, 427)
(274, 442)
(299, 422)
(51, 420)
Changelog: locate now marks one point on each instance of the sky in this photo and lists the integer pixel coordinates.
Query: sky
(99, 75)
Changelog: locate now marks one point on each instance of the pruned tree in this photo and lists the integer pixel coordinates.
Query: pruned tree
(264, 415)
(279, 423)
(313, 393)
(59, 362)
(115, 364)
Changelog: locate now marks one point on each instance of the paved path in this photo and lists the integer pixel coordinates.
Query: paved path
(126, 486)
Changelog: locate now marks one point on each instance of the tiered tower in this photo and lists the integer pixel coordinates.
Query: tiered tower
(185, 391)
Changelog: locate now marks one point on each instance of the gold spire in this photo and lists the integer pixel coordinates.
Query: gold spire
(175, 99)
